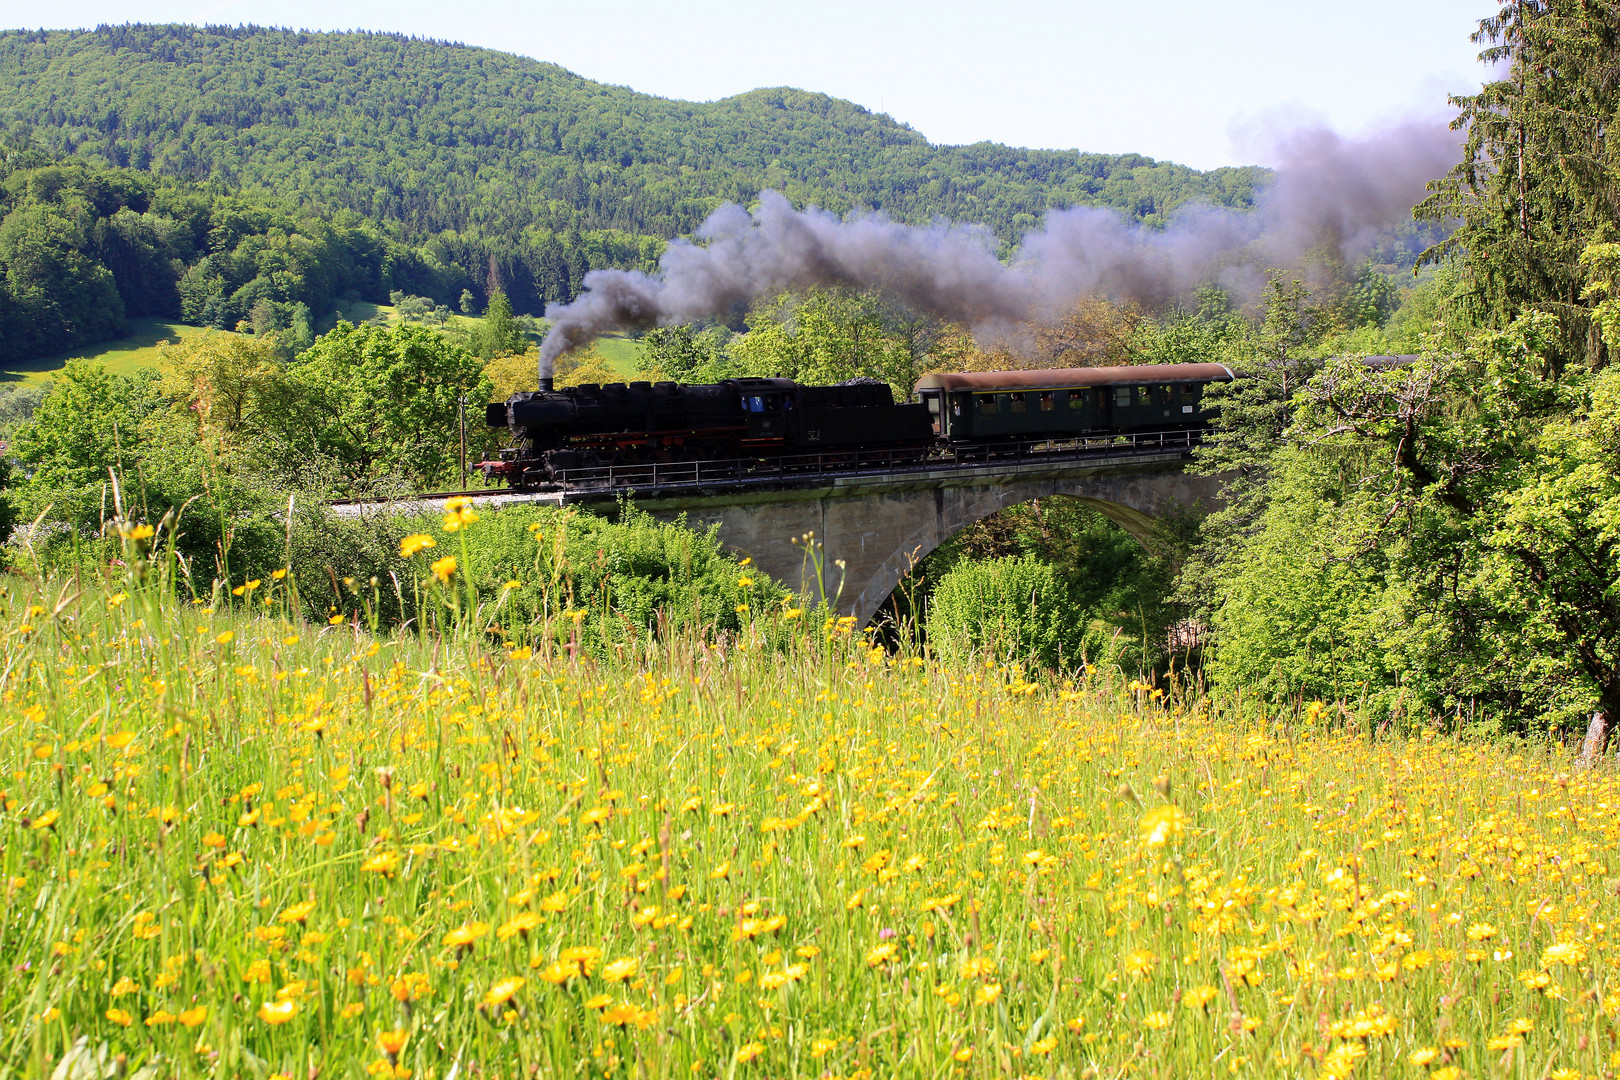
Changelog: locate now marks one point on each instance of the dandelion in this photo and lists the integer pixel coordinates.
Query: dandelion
(458, 514)
(620, 970)
(276, 1013)
(415, 543)
(1163, 825)
(194, 1016)
(503, 991)
(465, 935)
(1564, 952)
(119, 1017)
(1156, 1021)
(749, 1051)
(392, 1043)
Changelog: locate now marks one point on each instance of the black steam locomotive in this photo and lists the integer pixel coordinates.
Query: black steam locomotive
(556, 433)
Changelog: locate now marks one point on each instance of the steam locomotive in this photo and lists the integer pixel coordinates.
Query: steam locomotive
(557, 432)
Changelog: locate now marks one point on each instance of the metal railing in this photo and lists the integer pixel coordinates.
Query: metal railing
(748, 472)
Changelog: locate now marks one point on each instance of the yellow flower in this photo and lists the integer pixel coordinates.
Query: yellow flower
(458, 514)
(120, 1017)
(620, 970)
(192, 1017)
(749, 1051)
(139, 532)
(1521, 1026)
(502, 992)
(1423, 1056)
(879, 955)
(1198, 997)
(621, 1014)
(521, 923)
(599, 1001)
(987, 994)
(1563, 952)
(443, 568)
(463, 936)
(276, 1013)
(297, 913)
(1163, 825)
(1480, 932)
(226, 638)
(384, 862)
(1156, 1021)
(414, 543)
(393, 1042)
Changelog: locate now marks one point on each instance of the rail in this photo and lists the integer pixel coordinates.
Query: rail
(748, 472)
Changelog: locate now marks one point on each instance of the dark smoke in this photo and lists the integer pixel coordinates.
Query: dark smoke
(1329, 190)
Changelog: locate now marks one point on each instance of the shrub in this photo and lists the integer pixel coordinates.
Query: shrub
(1015, 608)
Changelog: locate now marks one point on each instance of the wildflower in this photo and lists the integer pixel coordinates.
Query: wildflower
(599, 1001)
(392, 1043)
(1422, 1056)
(139, 532)
(1521, 1026)
(1563, 952)
(297, 913)
(1139, 962)
(226, 638)
(120, 1017)
(502, 991)
(521, 923)
(276, 1013)
(458, 514)
(1163, 825)
(987, 994)
(444, 568)
(1480, 932)
(749, 1051)
(466, 935)
(192, 1017)
(384, 862)
(1156, 1021)
(415, 543)
(1198, 997)
(881, 955)
(620, 970)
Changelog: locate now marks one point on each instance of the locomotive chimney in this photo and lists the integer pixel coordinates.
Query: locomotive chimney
(545, 384)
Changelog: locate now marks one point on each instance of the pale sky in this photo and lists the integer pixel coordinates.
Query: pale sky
(1196, 82)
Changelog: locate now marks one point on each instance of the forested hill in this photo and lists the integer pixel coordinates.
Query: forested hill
(487, 146)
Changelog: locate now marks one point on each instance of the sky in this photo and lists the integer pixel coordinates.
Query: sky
(1201, 82)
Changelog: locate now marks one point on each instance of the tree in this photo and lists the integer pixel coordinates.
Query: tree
(1539, 179)
(687, 355)
(223, 380)
(59, 297)
(88, 421)
(499, 333)
(379, 400)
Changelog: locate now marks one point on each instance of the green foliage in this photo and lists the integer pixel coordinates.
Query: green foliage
(86, 422)
(826, 336)
(82, 247)
(1442, 538)
(1538, 177)
(579, 578)
(376, 401)
(1016, 609)
(685, 354)
(498, 333)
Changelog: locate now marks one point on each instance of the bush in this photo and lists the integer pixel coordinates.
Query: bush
(1016, 609)
(532, 571)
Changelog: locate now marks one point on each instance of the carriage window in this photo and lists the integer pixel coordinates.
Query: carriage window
(987, 404)
(1077, 397)
(1048, 400)
(1017, 402)
(1165, 395)
(1122, 397)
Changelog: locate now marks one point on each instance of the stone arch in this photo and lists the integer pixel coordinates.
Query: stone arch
(1130, 503)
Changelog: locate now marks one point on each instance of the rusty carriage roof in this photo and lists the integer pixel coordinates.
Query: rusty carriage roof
(1071, 378)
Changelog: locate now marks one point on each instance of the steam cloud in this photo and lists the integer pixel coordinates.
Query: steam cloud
(1329, 190)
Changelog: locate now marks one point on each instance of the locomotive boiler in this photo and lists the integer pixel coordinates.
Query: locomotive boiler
(592, 426)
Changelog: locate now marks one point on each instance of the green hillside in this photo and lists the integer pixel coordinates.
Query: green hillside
(488, 160)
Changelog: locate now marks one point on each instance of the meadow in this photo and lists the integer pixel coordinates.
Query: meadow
(237, 844)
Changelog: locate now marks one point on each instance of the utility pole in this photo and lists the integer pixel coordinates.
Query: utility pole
(461, 415)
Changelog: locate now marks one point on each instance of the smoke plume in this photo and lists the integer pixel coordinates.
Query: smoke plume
(1329, 190)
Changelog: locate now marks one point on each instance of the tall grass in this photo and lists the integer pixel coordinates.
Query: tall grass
(236, 844)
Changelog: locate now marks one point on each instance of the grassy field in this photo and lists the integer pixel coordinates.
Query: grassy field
(123, 356)
(623, 355)
(239, 845)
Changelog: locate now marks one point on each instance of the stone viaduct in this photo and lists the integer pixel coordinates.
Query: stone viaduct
(870, 529)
